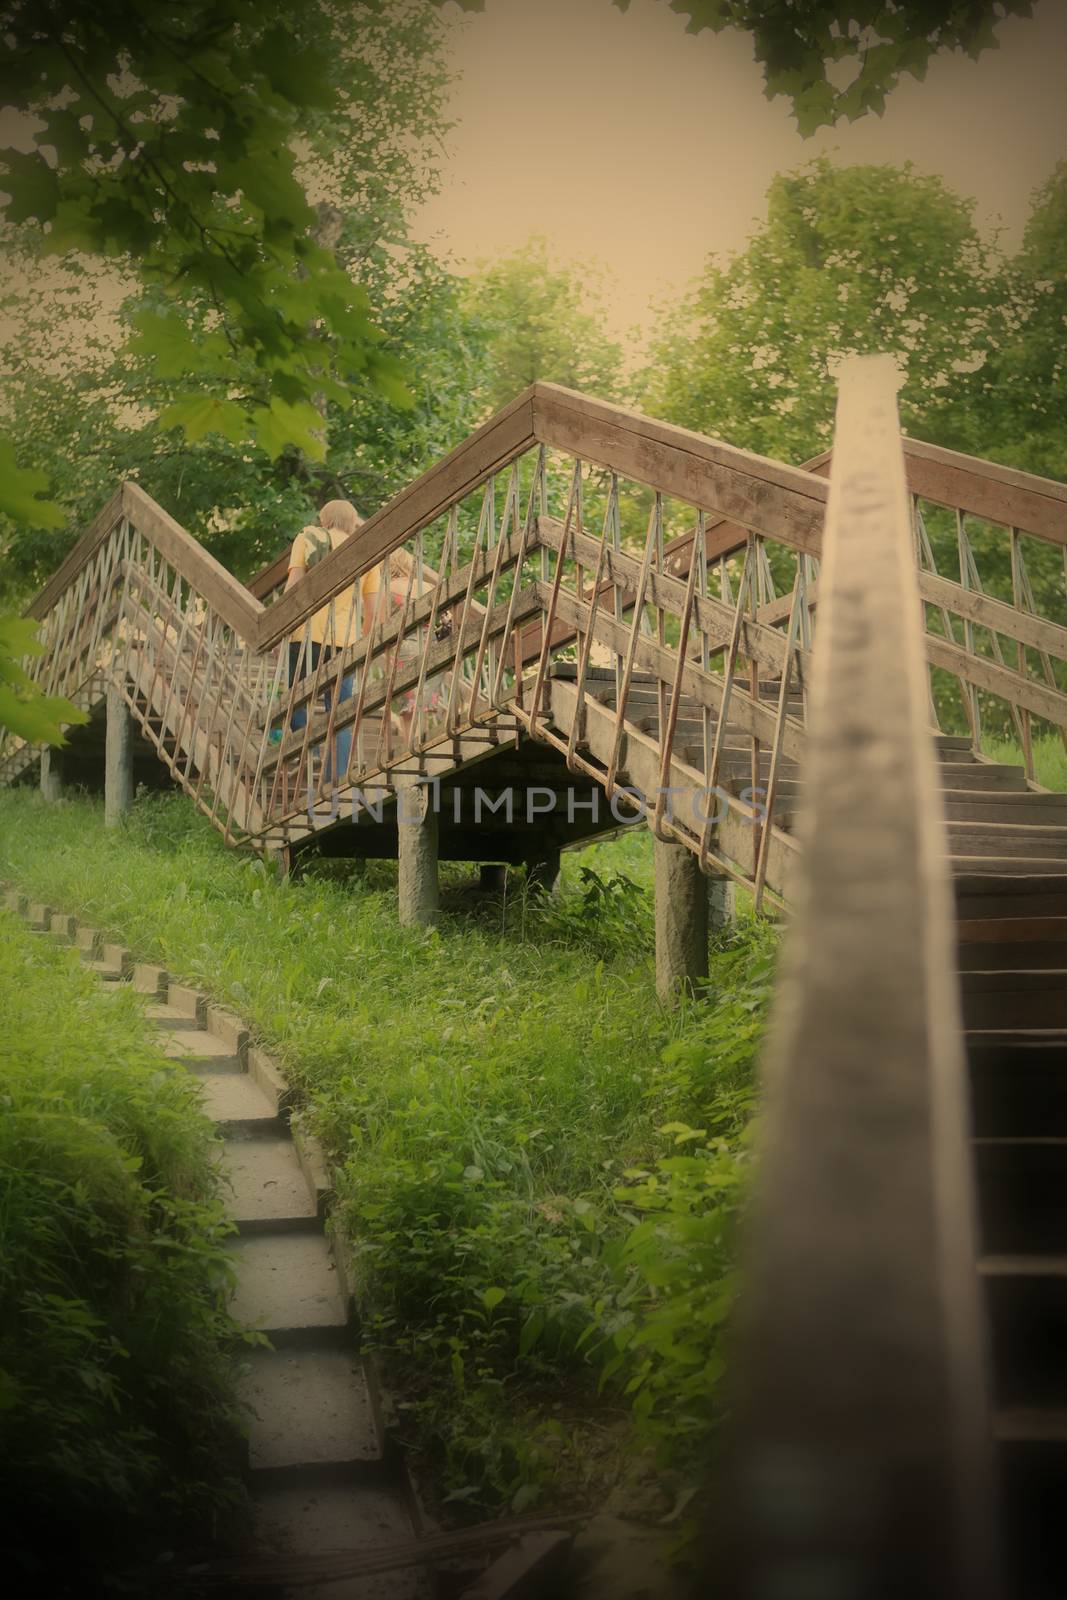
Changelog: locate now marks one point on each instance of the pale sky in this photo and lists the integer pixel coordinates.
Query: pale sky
(622, 137)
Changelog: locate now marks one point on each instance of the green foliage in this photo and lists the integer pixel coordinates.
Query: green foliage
(24, 710)
(603, 912)
(486, 1088)
(1050, 757)
(543, 321)
(1020, 396)
(20, 491)
(850, 260)
(798, 46)
(86, 407)
(120, 1428)
(167, 138)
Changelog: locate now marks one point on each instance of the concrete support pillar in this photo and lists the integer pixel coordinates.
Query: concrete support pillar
(417, 855)
(52, 773)
(118, 759)
(722, 902)
(681, 919)
(542, 870)
(492, 878)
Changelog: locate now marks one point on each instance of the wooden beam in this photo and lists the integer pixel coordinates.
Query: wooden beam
(783, 503)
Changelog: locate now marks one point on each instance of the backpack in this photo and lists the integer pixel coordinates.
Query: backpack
(319, 545)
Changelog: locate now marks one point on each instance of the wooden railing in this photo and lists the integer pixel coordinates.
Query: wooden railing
(862, 1462)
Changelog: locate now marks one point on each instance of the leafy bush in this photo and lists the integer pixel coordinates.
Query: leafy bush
(116, 1402)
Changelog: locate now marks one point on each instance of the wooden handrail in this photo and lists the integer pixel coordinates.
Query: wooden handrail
(864, 1376)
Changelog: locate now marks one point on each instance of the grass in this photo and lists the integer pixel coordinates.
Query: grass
(1050, 757)
(527, 1142)
(118, 1416)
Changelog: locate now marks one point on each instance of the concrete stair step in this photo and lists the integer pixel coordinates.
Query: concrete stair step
(311, 1409)
(200, 1051)
(169, 1016)
(239, 1105)
(268, 1186)
(114, 962)
(312, 1518)
(288, 1287)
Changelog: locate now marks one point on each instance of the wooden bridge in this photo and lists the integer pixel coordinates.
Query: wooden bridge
(603, 617)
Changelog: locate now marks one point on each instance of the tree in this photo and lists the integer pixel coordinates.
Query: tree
(181, 139)
(849, 261)
(1020, 399)
(544, 322)
(797, 44)
(92, 388)
(84, 402)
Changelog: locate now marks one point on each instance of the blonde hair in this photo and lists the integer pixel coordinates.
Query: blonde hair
(339, 514)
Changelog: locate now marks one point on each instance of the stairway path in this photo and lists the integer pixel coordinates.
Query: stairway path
(320, 1474)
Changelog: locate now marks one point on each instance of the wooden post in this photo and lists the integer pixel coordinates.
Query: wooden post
(118, 759)
(52, 773)
(417, 887)
(681, 920)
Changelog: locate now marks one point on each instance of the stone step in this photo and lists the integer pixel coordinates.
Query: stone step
(200, 1051)
(288, 1287)
(268, 1188)
(114, 963)
(312, 1518)
(239, 1105)
(168, 1016)
(311, 1409)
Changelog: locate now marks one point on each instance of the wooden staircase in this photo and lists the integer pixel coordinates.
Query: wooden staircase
(783, 739)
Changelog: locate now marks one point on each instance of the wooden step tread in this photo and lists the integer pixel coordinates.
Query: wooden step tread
(1010, 930)
(1023, 1266)
(1021, 1424)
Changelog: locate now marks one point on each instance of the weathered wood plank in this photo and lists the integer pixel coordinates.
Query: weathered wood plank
(783, 503)
(990, 675)
(859, 1336)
